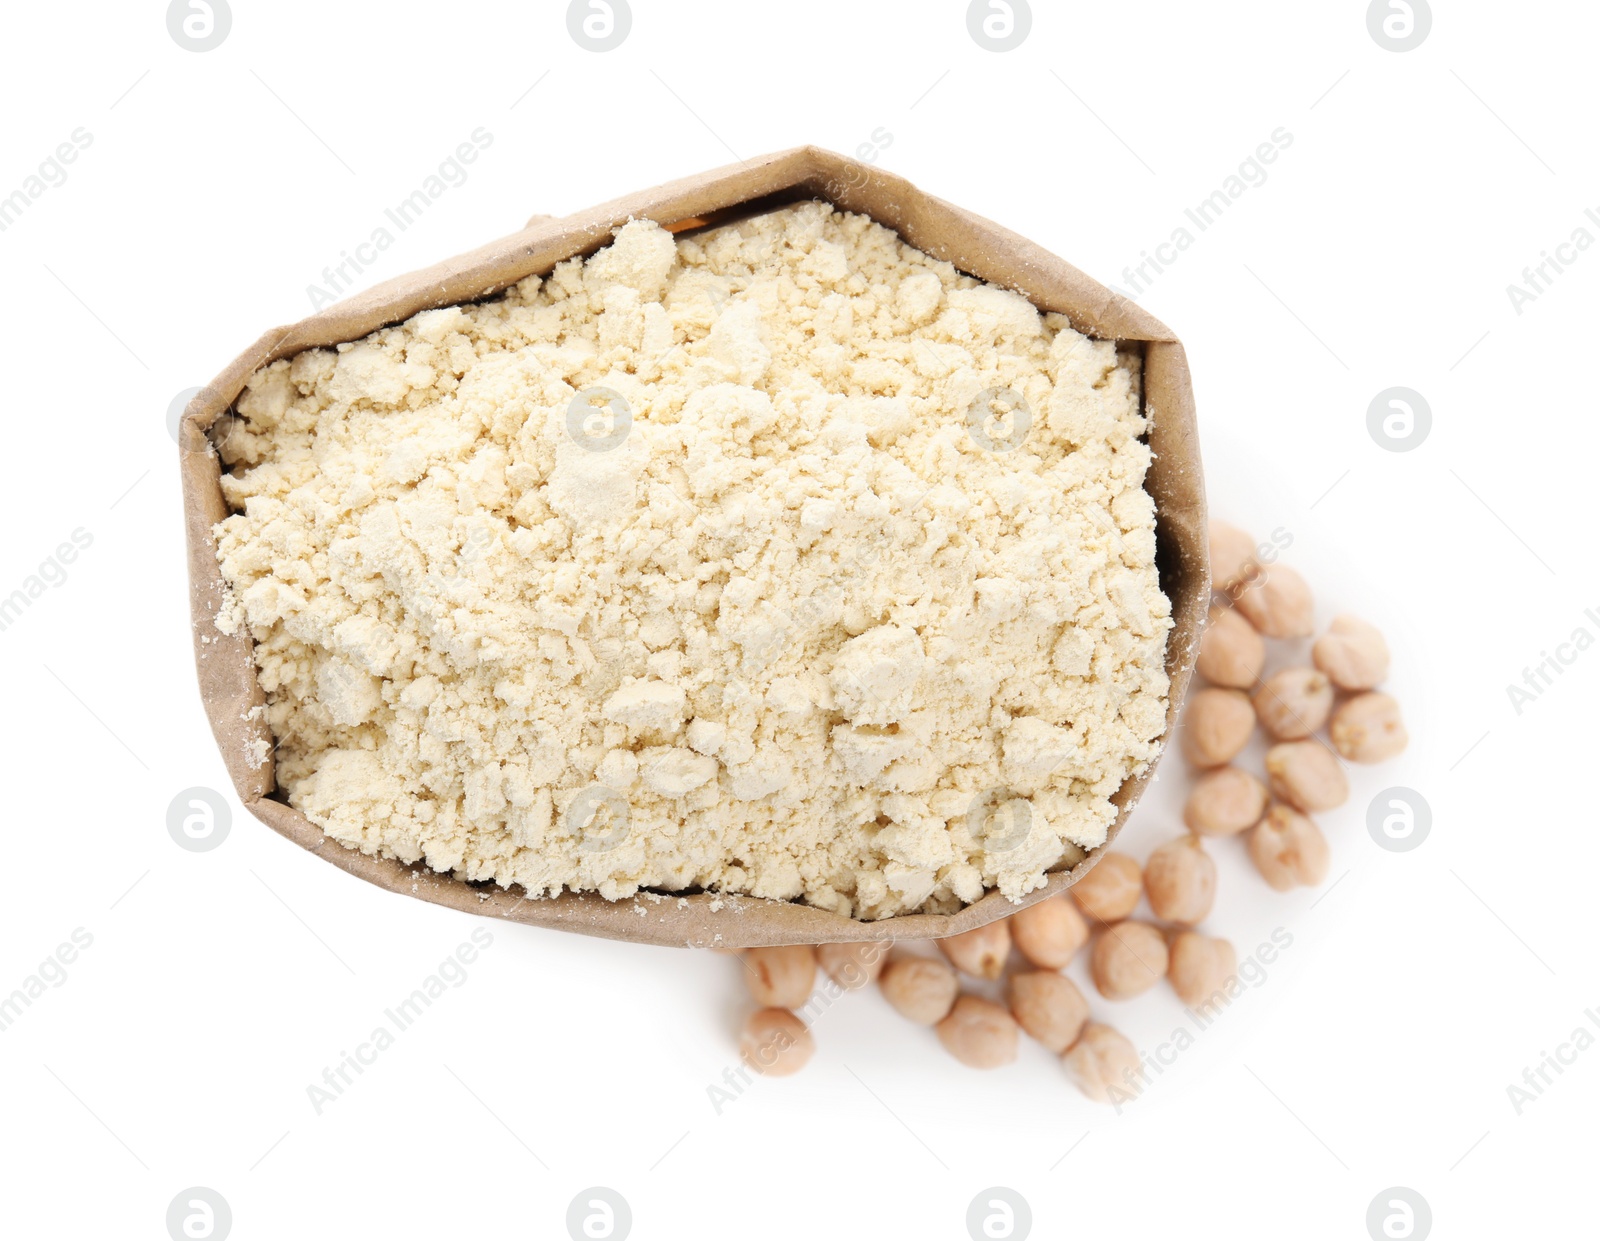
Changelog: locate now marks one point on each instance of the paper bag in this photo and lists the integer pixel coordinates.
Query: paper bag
(231, 692)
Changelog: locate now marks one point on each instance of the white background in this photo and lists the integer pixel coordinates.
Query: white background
(1378, 1050)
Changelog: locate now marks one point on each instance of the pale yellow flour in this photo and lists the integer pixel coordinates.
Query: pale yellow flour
(769, 618)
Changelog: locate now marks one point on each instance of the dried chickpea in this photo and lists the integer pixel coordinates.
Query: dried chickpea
(1180, 881)
(979, 1033)
(1128, 959)
(1278, 603)
(1368, 728)
(1289, 849)
(853, 966)
(1307, 775)
(1224, 801)
(1294, 703)
(1049, 1007)
(1110, 891)
(1104, 1064)
(781, 977)
(1050, 932)
(1200, 966)
(920, 989)
(775, 1042)
(1232, 553)
(1216, 725)
(1352, 654)
(1232, 653)
(981, 952)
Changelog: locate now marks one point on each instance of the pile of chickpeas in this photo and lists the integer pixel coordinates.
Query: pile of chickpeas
(1338, 693)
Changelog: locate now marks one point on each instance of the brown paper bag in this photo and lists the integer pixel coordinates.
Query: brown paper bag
(228, 684)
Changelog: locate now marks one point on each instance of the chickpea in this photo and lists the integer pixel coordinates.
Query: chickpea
(1104, 1065)
(1289, 849)
(775, 1042)
(1278, 603)
(1128, 959)
(853, 966)
(1180, 881)
(1049, 1007)
(1232, 553)
(1294, 703)
(979, 1033)
(1307, 775)
(1200, 966)
(981, 952)
(1232, 653)
(1110, 891)
(781, 977)
(1368, 728)
(1224, 801)
(1216, 726)
(1050, 932)
(1352, 653)
(920, 989)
